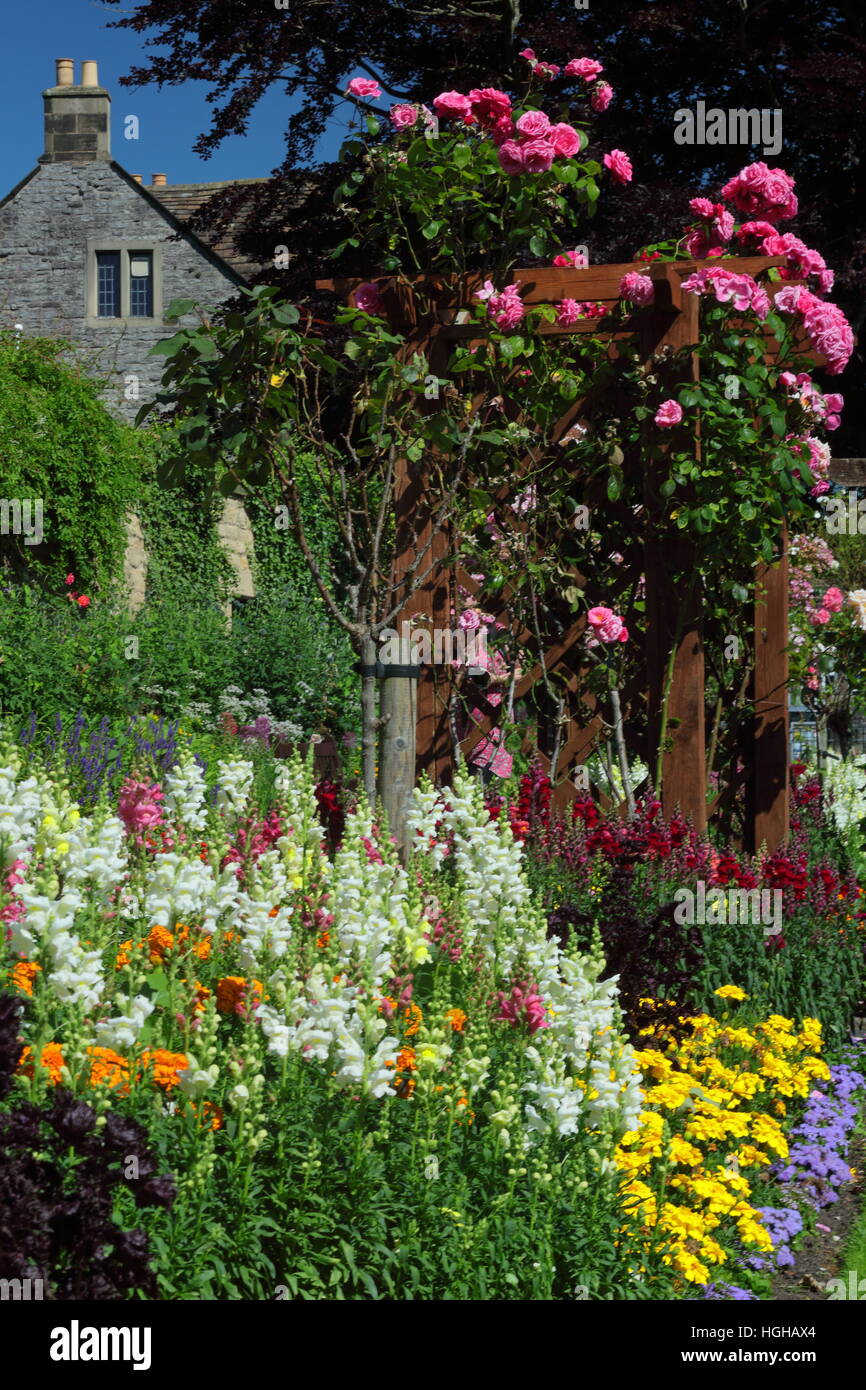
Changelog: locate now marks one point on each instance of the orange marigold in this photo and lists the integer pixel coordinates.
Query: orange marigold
(164, 1066)
(231, 993)
(414, 1018)
(51, 1059)
(457, 1018)
(124, 954)
(24, 974)
(202, 994)
(108, 1066)
(406, 1059)
(159, 943)
(323, 940)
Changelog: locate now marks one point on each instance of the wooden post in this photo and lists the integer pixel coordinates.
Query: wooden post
(768, 799)
(675, 655)
(398, 712)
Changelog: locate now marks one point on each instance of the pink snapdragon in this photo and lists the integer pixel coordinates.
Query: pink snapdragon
(138, 806)
(523, 1005)
(637, 289)
(365, 88)
(669, 413)
(619, 165)
(762, 192)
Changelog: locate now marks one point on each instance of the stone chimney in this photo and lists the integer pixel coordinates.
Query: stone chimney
(77, 118)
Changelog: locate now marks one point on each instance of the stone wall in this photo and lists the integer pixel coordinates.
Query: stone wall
(235, 533)
(46, 226)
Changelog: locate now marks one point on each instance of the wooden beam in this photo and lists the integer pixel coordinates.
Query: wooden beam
(848, 472)
(768, 799)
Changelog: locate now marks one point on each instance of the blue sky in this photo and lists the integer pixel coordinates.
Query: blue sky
(38, 31)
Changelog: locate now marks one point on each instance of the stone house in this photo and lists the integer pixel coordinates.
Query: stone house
(90, 254)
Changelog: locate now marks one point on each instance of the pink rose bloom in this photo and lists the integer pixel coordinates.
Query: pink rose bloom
(538, 155)
(637, 289)
(788, 299)
(702, 207)
(833, 599)
(364, 87)
(70, 578)
(577, 259)
(528, 54)
(83, 601)
(564, 139)
(368, 299)
(762, 192)
(601, 97)
(532, 124)
(830, 333)
(138, 806)
(568, 313)
(619, 165)
(669, 413)
(819, 617)
(696, 243)
(755, 231)
(511, 157)
(502, 129)
(452, 106)
(402, 117)
(469, 620)
(607, 625)
(489, 105)
(546, 71)
(834, 402)
(745, 292)
(788, 379)
(587, 68)
(506, 309)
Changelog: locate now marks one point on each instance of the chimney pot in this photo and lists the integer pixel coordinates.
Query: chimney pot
(136, 178)
(158, 180)
(89, 73)
(65, 72)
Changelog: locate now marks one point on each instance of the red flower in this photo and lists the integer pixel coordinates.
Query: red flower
(83, 601)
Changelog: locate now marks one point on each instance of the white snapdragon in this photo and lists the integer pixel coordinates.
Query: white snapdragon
(235, 782)
(186, 793)
(122, 1031)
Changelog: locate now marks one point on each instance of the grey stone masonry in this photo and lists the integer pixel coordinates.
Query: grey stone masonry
(77, 124)
(53, 226)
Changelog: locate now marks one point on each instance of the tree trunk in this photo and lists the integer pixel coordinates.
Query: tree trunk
(397, 745)
(368, 719)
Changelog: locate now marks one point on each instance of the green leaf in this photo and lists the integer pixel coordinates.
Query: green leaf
(431, 230)
(747, 511)
(778, 424)
(170, 347)
(538, 244)
(462, 155)
(178, 307)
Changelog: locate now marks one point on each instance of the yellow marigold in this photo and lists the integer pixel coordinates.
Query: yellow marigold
(689, 1266)
(766, 1131)
(681, 1151)
(730, 992)
(24, 974)
(750, 1157)
(682, 1221)
(164, 1066)
(653, 1063)
(457, 1018)
(753, 1233)
(159, 942)
(712, 1251)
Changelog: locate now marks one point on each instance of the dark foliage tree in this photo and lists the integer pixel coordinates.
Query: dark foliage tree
(802, 57)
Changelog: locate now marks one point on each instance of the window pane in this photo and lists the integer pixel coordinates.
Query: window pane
(108, 284)
(141, 284)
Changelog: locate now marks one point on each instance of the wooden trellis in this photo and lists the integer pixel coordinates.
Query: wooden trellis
(672, 321)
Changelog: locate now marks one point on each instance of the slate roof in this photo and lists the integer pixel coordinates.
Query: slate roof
(183, 200)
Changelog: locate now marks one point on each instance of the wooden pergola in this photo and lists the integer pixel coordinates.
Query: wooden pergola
(672, 321)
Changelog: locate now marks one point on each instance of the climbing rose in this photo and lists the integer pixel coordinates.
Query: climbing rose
(452, 105)
(505, 309)
(638, 289)
(833, 600)
(568, 311)
(533, 124)
(669, 413)
(402, 117)
(601, 97)
(619, 165)
(489, 105)
(577, 259)
(564, 139)
(538, 155)
(511, 157)
(587, 68)
(607, 626)
(368, 299)
(364, 87)
(762, 192)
